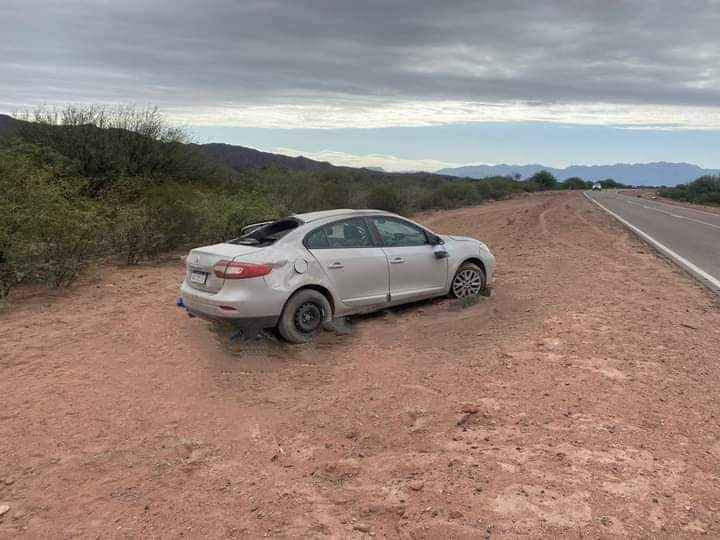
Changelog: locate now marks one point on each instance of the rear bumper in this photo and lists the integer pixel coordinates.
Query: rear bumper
(240, 307)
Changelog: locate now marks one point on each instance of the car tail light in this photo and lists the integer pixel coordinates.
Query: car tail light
(240, 270)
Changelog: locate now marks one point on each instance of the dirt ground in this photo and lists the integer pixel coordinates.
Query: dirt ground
(582, 401)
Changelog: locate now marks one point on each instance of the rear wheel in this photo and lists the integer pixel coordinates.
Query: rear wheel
(469, 280)
(303, 316)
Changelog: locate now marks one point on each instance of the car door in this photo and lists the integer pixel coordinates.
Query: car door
(415, 271)
(356, 267)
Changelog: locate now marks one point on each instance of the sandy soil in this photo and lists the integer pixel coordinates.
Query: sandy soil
(581, 401)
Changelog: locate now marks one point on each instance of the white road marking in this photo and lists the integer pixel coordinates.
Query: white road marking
(679, 259)
(634, 203)
(676, 207)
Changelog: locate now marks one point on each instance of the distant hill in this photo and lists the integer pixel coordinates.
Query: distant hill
(235, 157)
(240, 157)
(645, 174)
(7, 125)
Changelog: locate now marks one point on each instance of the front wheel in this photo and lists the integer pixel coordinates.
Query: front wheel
(469, 280)
(303, 316)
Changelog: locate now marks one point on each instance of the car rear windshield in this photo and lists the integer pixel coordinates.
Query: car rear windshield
(268, 233)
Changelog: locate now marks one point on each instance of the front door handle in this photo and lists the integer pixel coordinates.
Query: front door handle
(397, 260)
(336, 265)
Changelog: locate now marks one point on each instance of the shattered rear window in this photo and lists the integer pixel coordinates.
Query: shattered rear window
(268, 234)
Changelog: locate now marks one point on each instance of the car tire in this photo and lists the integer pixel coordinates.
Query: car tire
(303, 316)
(469, 280)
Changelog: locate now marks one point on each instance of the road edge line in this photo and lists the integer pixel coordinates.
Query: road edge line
(698, 273)
(664, 202)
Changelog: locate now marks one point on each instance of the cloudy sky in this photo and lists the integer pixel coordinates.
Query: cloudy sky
(402, 84)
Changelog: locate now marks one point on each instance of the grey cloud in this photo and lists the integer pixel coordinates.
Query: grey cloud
(233, 53)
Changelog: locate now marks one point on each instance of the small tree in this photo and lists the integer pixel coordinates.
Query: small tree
(609, 183)
(106, 142)
(544, 180)
(574, 183)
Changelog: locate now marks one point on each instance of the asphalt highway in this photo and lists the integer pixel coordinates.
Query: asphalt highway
(689, 236)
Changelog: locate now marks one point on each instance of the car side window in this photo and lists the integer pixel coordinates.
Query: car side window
(317, 240)
(349, 233)
(395, 232)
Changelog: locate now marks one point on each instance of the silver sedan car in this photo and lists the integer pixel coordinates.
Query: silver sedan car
(299, 272)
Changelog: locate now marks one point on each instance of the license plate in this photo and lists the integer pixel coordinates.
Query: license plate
(198, 277)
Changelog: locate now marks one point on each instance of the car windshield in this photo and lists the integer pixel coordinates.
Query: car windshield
(268, 233)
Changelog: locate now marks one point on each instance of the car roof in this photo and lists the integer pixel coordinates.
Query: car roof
(314, 216)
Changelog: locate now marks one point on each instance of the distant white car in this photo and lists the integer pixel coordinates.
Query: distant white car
(298, 272)
(597, 186)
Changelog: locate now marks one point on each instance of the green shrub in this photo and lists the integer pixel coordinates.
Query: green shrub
(610, 184)
(67, 237)
(576, 183)
(152, 218)
(543, 180)
(386, 197)
(704, 190)
(48, 232)
(135, 234)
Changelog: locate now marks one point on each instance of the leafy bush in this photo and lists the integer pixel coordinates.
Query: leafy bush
(544, 180)
(19, 186)
(108, 142)
(150, 219)
(610, 184)
(386, 197)
(576, 183)
(704, 190)
(136, 233)
(47, 231)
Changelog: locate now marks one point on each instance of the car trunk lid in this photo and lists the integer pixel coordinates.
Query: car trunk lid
(200, 262)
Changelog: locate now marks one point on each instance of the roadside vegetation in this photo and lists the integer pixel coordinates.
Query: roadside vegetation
(86, 183)
(704, 190)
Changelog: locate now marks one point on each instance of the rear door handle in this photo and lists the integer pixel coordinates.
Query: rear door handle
(397, 260)
(336, 265)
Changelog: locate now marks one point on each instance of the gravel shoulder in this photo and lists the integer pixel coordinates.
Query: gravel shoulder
(580, 401)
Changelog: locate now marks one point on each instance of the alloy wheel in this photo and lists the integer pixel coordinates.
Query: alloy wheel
(468, 282)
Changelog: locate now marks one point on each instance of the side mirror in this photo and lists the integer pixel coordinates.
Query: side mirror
(440, 252)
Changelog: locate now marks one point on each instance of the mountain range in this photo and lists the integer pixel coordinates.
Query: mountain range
(648, 174)
(638, 174)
